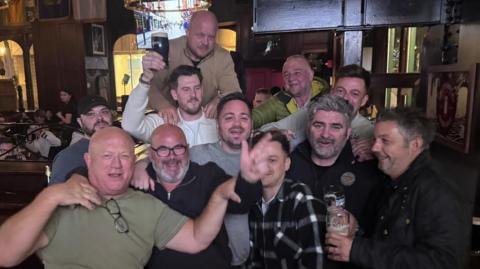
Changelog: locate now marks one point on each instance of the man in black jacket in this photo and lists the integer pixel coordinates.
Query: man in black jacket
(186, 187)
(326, 158)
(418, 223)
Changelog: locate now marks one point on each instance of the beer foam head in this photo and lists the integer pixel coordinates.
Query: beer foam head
(160, 34)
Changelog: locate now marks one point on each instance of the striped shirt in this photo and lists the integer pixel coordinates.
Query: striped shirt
(289, 234)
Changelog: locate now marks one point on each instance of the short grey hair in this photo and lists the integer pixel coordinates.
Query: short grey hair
(329, 102)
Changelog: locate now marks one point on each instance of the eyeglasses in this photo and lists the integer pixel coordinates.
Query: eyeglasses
(177, 150)
(121, 225)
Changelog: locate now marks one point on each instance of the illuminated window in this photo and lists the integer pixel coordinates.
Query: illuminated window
(127, 61)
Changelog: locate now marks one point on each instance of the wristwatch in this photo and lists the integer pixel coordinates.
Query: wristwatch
(143, 81)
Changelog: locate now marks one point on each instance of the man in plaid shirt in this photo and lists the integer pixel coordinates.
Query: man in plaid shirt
(285, 228)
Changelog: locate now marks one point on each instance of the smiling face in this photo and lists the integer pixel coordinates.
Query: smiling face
(353, 90)
(393, 151)
(172, 168)
(110, 160)
(201, 34)
(327, 133)
(297, 76)
(234, 124)
(188, 94)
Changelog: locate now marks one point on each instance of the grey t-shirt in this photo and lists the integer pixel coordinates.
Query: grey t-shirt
(235, 224)
(67, 160)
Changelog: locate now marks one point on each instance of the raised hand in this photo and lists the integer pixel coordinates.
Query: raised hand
(254, 162)
(152, 61)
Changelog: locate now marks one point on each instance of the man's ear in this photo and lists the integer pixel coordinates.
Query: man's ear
(416, 145)
(364, 100)
(88, 159)
(349, 132)
(174, 95)
(287, 164)
(79, 122)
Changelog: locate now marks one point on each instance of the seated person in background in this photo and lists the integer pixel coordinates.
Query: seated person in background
(108, 225)
(95, 114)
(185, 84)
(298, 78)
(198, 49)
(8, 150)
(40, 139)
(285, 227)
(418, 222)
(186, 186)
(261, 96)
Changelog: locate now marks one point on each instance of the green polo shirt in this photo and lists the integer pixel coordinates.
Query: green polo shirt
(80, 238)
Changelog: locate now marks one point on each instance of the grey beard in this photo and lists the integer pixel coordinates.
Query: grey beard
(171, 179)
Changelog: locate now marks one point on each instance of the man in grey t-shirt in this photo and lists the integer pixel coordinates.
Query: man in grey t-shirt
(234, 123)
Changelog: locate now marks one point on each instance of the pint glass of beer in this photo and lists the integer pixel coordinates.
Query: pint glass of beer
(160, 45)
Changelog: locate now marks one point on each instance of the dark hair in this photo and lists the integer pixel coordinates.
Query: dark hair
(412, 123)
(354, 71)
(263, 91)
(183, 70)
(67, 91)
(232, 97)
(277, 136)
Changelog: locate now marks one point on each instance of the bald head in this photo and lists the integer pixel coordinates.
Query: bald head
(110, 160)
(168, 132)
(203, 16)
(100, 137)
(169, 153)
(201, 34)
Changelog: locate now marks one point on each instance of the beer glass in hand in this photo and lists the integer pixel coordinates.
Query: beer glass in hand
(160, 45)
(338, 221)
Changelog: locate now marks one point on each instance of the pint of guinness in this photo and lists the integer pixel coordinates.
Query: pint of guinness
(160, 45)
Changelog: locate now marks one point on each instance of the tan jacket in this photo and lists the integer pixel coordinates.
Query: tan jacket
(218, 72)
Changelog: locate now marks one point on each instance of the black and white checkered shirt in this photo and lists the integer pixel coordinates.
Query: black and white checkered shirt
(288, 234)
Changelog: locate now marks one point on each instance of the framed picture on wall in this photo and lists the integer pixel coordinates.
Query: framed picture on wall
(451, 94)
(98, 39)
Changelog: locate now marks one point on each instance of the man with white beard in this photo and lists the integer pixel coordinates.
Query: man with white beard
(186, 187)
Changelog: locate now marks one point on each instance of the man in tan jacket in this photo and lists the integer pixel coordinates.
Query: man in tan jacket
(198, 48)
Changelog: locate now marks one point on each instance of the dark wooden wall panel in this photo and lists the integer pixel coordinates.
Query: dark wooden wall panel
(59, 60)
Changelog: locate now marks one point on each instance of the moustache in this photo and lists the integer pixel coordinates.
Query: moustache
(236, 129)
(100, 122)
(171, 162)
(193, 99)
(325, 141)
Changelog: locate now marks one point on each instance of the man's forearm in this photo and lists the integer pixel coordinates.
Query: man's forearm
(20, 233)
(208, 224)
